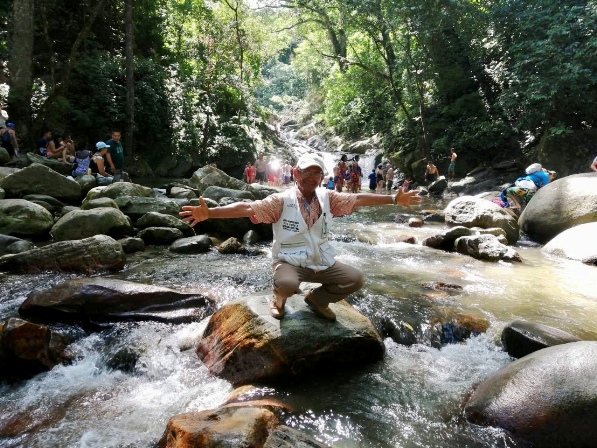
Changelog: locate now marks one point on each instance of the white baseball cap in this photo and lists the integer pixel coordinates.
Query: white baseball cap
(307, 160)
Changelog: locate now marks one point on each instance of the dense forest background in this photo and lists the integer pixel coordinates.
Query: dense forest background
(195, 81)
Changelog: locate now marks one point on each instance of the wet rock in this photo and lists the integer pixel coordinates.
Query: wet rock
(437, 187)
(440, 286)
(485, 247)
(408, 239)
(560, 205)
(137, 206)
(54, 203)
(27, 349)
(182, 193)
(132, 245)
(119, 189)
(194, 245)
(521, 338)
(435, 217)
(87, 182)
(399, 331)
(80, 224)
(13, 245)
(232, 246)
(24, 218)
(458, 327)
(112, 300)
(209, 176)
(243, 343)
(284, 437)
(547, 398)
(39, 179)
(223, 427)
(154, 219)
(218, 193)
(578, 243)
(124, 360)
(99, 203)
(470, 211)
(96, 254)
(251, 237)
(445, 240)
(415, 222)
(160, 235)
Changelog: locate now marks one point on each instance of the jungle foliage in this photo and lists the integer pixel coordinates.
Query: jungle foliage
(489, 77)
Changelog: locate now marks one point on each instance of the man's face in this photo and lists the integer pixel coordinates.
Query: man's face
(116, 136)
(308, 179)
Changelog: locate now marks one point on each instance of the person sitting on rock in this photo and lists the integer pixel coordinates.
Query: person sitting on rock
(301, 250)
(98, 164)
(8, 139)
(82, 161)
(518, 195)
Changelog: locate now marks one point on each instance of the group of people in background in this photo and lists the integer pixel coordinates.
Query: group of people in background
(274, 172)
(347, 175)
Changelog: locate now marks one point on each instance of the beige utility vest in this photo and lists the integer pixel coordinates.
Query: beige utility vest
(297, 245)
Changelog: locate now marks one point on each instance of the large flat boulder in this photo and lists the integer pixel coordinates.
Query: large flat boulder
(110, 300)
(547, 398)
(472, 211)
(80, 224)
(577, 243)
(243, 343)
(39, 179)
(22, 217)
(560, 205)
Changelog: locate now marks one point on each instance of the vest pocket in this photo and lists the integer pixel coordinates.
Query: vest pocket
(296, 255)
(327, 253)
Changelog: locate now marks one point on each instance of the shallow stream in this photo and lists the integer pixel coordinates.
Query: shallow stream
(410, 399)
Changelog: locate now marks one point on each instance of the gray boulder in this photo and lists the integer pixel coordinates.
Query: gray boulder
(547, 398)
(137, 206)
(437, 187)
(155, 219)
(160, 235)
(13, 245)
(243, 343)
(62, 168)
(96, 254)
(485, 247)
(80, 224)
(131, 245)
(110, 300)
(99, 203)
(218, 193)
(445, 240)
(87, 182)
(560, 205)
(193, 245)
(470, 211)
(39, 179)
(577, 243)
(182, 193)
(209, 176)
(119, 189)
(21, 217)
(521, 338)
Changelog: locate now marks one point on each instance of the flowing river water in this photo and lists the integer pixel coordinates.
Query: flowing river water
(410, 399)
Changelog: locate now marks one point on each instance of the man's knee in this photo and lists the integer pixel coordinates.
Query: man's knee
(286, 286)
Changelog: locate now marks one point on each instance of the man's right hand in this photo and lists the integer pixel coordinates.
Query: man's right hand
(195, 214)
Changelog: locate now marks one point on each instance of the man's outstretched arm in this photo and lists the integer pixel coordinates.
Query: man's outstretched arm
(195, 214)
(406, 199)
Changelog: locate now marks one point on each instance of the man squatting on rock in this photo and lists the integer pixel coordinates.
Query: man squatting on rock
(301, 251)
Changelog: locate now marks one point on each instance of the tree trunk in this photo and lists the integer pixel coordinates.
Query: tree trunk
(130, 78)
(20, 69)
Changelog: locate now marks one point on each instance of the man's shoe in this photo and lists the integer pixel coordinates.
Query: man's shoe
(321, 311)
(275, 311)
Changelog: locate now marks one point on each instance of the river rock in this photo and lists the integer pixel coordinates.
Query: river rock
(87, 182)
(445, 240)
(193, 245)
(109, 300)
(232, 246)
(4, 156)
(27, 348)
(251, 237)
(218, 193)
(55, 203)
(118, 189)
(137, 206)
(547, 398)
(39, 179)
(131, 245)
(521, 338)
(225, 427)
(21, 217)
(64, 169)
(470, 211)
(577, 243)
(99, 203)
(437, 187)
(13, 245)
(155, 219)
(210, 176)
(5, 171)
(160, 235)
(182, 193)
(560, 205)
(243, 343)
(485, 247)
(80, 224)
(96, 254)
(285, 437)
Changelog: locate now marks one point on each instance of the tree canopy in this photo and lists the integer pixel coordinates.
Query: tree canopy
(487, 76)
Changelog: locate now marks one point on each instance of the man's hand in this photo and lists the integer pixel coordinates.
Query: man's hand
(408, 198)
(193, 215)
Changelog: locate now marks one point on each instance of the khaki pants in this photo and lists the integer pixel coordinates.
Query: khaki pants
(337, 282)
